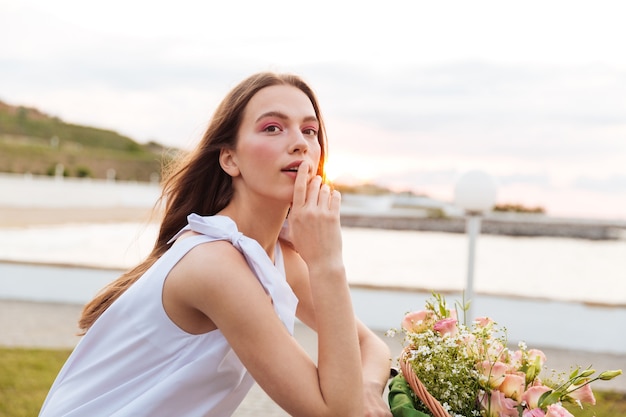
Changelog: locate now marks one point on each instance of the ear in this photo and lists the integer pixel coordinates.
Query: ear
(228, 162)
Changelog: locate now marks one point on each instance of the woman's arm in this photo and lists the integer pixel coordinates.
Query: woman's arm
(376, 362)
(375, 355)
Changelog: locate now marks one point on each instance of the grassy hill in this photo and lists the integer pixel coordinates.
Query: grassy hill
(36, 143)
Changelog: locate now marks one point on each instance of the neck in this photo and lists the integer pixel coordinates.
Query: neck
(262, 224)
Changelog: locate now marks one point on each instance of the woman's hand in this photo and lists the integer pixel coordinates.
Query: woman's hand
(314, 220)
(373, 403)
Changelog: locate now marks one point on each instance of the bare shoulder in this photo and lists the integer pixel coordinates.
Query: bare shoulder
(208, 277)
(211, 257)
(212, 266)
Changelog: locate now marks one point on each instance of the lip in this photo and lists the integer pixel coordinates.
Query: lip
(292, 165)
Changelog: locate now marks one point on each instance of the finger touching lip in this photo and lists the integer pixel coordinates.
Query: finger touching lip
(304, 166)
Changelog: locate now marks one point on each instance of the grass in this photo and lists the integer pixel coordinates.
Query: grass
(608, 404)
(36, 143)
(25, 378)
(30, 122)
(27, 374)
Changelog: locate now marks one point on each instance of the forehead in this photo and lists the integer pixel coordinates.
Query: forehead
(286, 99)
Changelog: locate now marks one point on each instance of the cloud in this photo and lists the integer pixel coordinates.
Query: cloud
(539, 179)
(545, 115)
(471, 93)
(614, 184)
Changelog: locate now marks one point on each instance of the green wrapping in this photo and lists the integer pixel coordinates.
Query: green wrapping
(401, 399)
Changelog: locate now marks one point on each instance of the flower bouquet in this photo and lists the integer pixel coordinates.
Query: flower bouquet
(452, 369)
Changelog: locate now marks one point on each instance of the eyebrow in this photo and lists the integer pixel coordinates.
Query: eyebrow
(283, 116)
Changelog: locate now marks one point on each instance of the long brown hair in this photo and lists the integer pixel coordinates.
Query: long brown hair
(197, 183)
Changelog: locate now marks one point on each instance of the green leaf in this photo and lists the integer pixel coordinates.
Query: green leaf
(549, 398)
(574, 373)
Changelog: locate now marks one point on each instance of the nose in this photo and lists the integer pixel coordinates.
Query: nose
(298, 143)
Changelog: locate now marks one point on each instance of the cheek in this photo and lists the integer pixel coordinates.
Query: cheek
(262, 151)
(259, 153)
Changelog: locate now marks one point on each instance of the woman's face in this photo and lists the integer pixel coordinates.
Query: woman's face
(278, 132)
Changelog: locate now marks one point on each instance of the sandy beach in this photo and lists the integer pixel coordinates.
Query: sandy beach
(37, 216)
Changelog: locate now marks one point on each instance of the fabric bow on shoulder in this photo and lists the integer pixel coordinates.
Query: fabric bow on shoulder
(275, 284)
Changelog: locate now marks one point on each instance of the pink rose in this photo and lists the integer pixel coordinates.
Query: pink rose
(532, 395)
(535, 412)
(417, 321)
(582, 394)
(483, 322)
(497, 405)
(534, 354)
(557, 410)
(446, 327)
(492, 373)
(513, 386)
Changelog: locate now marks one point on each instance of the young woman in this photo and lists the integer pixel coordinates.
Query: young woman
(212, 308)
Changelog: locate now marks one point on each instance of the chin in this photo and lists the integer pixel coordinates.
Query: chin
(285, 197)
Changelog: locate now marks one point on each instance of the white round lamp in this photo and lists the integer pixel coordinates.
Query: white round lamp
(475, 192)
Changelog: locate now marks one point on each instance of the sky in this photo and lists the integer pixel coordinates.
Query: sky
(414, 93)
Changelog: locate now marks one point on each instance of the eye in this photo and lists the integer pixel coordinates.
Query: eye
(309, 131)
(272, 129)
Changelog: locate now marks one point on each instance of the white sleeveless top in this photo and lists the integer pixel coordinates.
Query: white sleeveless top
(134, 361)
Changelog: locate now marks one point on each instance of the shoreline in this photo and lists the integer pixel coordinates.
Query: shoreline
(380, 308)
(354, 285)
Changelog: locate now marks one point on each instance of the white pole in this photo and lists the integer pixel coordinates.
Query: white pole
(473, 229)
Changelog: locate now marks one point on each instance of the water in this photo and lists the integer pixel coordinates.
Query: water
(547, 268)
(552, 268)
